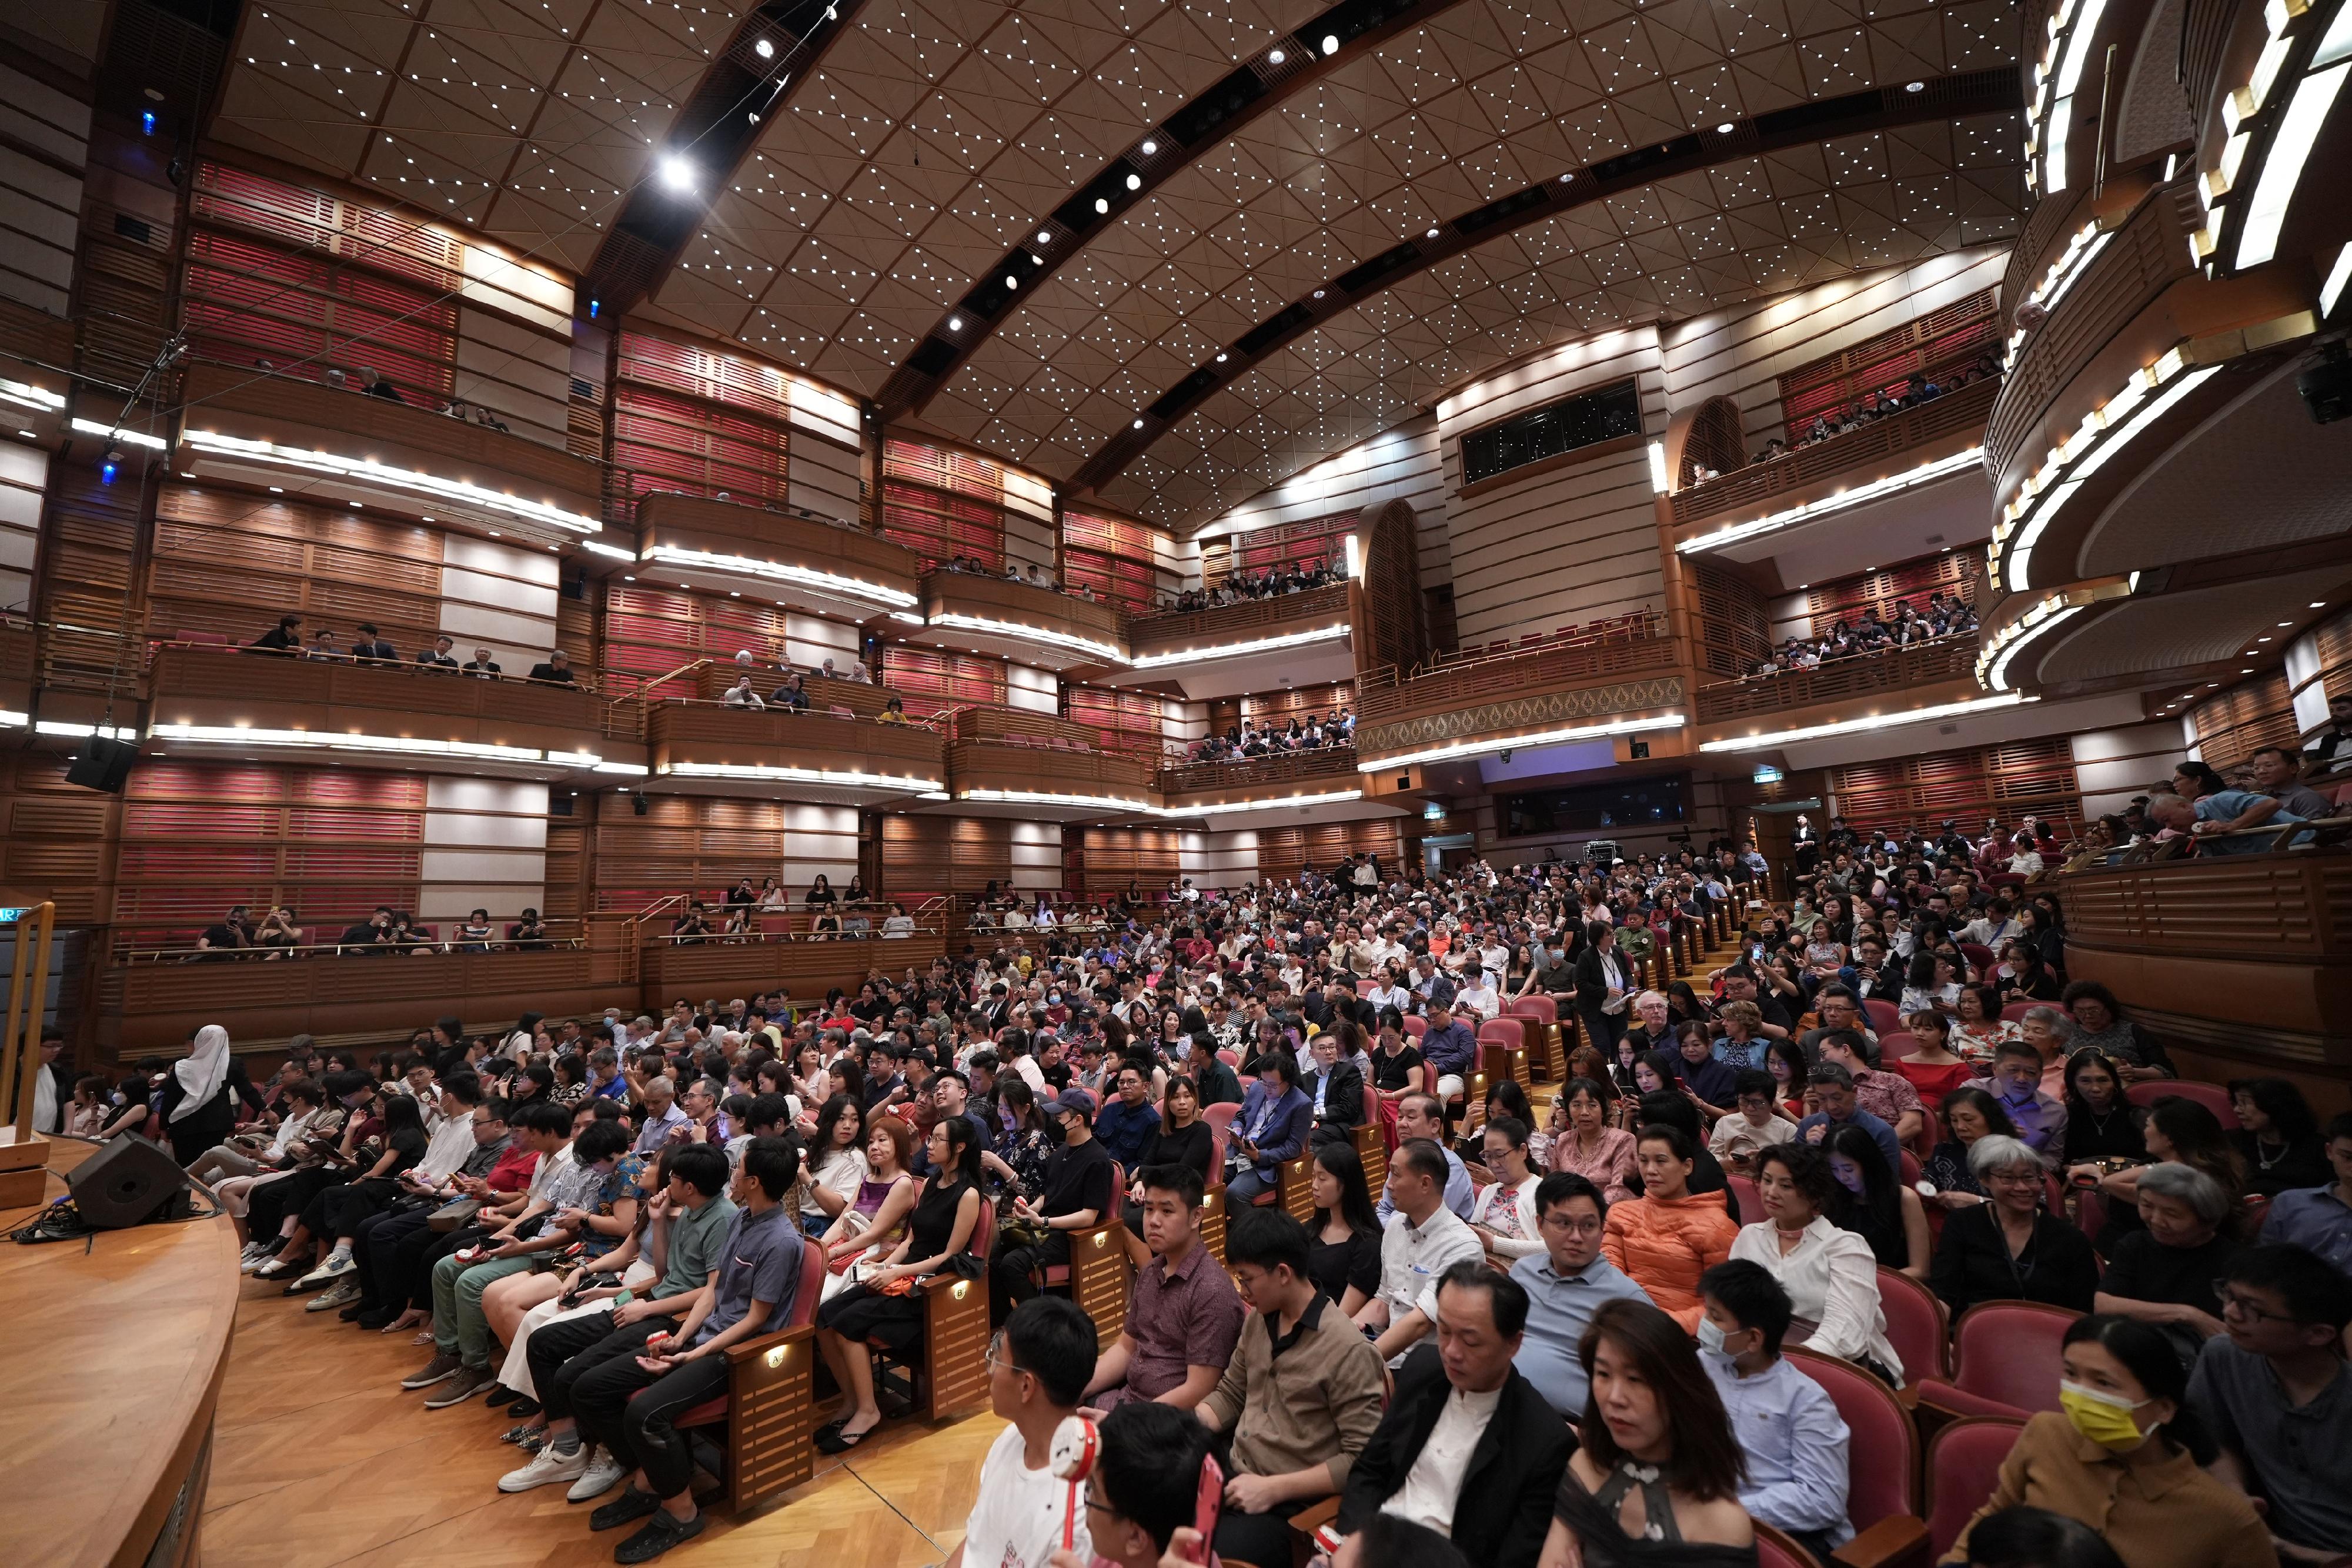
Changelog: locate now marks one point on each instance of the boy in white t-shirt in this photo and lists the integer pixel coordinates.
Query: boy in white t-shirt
(1039, 1365)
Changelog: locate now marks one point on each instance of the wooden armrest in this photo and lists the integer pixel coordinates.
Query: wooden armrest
(1314, 1515)
(1891, 1540)
(759, 1345)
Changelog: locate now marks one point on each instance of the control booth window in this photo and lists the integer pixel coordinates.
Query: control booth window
(1639, 804)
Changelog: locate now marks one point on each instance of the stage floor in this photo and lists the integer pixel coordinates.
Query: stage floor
(321, 1458)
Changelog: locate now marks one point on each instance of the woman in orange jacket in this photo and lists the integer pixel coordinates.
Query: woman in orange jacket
(1665, 1239)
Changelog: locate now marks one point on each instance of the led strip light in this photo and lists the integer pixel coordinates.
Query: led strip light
(1146, 809)
(808, 577)
(2063, 274)
(367, 471)
(1992, 664)
(849, 779)
(994, 628)
(31, 396)
(128, 437)
(1877, 721)
(1877, 489)
(1236, 650)
(2292, 138)
(2054, 83)
(11, 719)
(335, 741)
(1461, 748)
(2105, 430)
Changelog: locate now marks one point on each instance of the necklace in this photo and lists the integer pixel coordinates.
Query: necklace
(2264, 1163)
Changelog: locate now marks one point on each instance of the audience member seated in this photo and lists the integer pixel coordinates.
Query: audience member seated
(1023, 1513)
(1241, 587)
(1656, 1478)
(2275, 1392)
(1344, 1259)
(1423, 1238)
(2278, 1136)
(1755, 1125)
(1300, 1400)
(2124, 1456)
(2165, 1272)
(1566, 1283)
(1665, 1239)
(557, 669)
(1183, 1316)
(1273, 1126)
(1076, 1196)
(1872, 1202)
(1505, 1215)
(1589, 1147)
(2016, 1083)
(1828, 1274)
(1468, 1448)
(2319, 1218)
(1908, 625)
(1831, 1087)
(1144, 1492)
(1790, 1434)
(2008, 1248)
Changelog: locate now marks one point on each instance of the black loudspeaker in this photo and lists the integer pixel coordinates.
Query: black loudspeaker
(128, 1182)
(101, 764)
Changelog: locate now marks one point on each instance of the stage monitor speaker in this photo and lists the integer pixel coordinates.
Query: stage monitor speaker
(128, 1182)
(101, 764)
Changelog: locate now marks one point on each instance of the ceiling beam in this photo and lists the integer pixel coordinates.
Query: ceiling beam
(1877, 108)
(1332, 39)
(716, 127)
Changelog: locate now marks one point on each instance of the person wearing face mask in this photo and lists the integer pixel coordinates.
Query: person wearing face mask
(1789, 1429)
(2124, 1455)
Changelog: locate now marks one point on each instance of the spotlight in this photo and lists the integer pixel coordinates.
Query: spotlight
(1134, 182)
(1330, 43)
(678, 174)
(109, 467)
(1150, 147)
(1724, 130)
(764, 49)
(1275, 59)
(147, 121)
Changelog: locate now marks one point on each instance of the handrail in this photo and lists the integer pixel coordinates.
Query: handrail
(409, 666)
(1322, 599)
(1946, 657)
(2328, 833)
(1816, 462)
(759, 938)
(1652, 623)
(127, 955)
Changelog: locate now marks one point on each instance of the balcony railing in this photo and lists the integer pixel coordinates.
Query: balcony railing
(1065, 628)
(1318, 765)
(799, 559)
(688, 739)
(1013, 767)
(1860, 674)
(1859, 452)
(1243, 623)
(206, 694)
(1383, 694)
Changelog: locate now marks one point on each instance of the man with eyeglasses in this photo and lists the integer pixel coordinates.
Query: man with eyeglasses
(1145, 1487)
(2276, 1392)
(1566, 1283)
(1038, 1367)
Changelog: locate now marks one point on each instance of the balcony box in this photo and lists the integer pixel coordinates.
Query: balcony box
(834, 758)
(1295, 638)
(1040, 626)
(792, 561)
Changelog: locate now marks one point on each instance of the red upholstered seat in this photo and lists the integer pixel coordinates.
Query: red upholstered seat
(2212, 1096)
(1416, 1026)
(1979, 954)
(2015, 1012)
(1884, 1020)
(1964, 1460)
(1751, 1205)
(1542, 1009)
(1919, 1325)
(1883, 1452)
(1510, 1033)
(2005, 1360)
(1774, 1550)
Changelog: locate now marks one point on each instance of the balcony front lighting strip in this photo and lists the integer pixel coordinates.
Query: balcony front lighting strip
(847, 778)
(112, 432)
(2062, 276)
(1050, 798)
(2149, 394)
(83, 731)
(367, 471)
(2291, 144)
(334, 740)
(1992, 664)
(628, 769)
(2053, 95)
(1238, 649)
(1462, 748)
(1857, 726)
(1877, 489)
(995, 628)
(600, 547)
(2257, 239)
(11, 719)
(807, 577)
(31, 396)
(1225, 807)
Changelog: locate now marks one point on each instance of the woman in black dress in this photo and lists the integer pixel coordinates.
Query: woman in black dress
(1182, 1138)
(886, 1306)
(1343, 1250)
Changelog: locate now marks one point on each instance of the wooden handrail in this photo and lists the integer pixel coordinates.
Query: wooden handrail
(1961, 409)
(1939, 658)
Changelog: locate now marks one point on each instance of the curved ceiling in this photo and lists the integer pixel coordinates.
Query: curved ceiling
(2184, 631)
(932, 139)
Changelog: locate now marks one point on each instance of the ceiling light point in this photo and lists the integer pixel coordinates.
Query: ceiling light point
(1134, 182)
(955, 323)
(1330, 43)
(678, 174)
(1915, 87)
(1724, 128)
(1150, 147)
(1275, 59)
(1433, 234)
(1138, 425)
(764, 49)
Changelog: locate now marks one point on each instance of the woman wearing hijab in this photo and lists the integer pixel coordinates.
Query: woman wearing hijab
(201, 1095)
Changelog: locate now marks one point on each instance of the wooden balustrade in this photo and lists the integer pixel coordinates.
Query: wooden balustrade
(990, 765)
(893, 756)
(1017, 609)
(1383, 699)
(1883, 447)
(813, 564)
(1330, 766)
(333, 699)
(1246, 622)
(1839, 680)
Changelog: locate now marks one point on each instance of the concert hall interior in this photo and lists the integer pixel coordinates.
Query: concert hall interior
(1115, 783)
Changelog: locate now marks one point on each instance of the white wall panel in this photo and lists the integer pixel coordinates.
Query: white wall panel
(24, 480)
(820, 475)
(1037, 691)
(499, 597)
(40, 204)
(1399, 464)
(522, 376)
(811, 640)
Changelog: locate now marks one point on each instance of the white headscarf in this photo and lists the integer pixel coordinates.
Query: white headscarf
(202, 1071)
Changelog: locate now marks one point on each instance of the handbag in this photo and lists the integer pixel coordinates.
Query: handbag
(455, 1212)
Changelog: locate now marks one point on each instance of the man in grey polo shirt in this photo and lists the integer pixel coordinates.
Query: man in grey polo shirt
(1566, 1283)
(2277, 1395)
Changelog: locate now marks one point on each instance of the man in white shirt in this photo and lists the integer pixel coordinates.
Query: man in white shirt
(1468, 1448)
(1422, 1240)
(1038, 1368)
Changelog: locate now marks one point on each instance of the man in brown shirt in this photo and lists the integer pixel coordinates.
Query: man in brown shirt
(1302, 1397)
(1183, 1315)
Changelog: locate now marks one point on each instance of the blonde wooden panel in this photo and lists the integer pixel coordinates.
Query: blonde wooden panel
(967, 594)
(930, 855)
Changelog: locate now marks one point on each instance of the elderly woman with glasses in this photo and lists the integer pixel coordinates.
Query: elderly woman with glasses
(2008, 1248)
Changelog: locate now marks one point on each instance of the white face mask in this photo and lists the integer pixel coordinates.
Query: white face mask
(1710, 1337)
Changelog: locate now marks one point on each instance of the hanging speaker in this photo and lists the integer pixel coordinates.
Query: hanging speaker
(128, 1182)
(102, 763)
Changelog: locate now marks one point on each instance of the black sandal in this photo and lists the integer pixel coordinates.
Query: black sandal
(833, 1440)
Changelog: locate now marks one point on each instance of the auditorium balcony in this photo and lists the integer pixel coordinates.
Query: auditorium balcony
(1610, 684)
(279, 432)
(830, 756)
(1298, 640)
(1030, 623)
(2242, 962)
(2164, 510)
(209, 699)
(801, 561)
(792, 949)
(1032, 765)
(1322, 781)
(1921, 674)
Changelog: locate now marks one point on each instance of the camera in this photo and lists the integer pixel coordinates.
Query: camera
(2326, 385)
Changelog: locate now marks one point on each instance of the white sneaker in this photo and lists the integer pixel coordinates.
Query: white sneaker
(252, 1261)
(547, 1467)
(337, 1265)
(597, 1478)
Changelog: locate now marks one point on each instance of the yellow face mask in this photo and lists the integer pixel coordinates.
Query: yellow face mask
(2104, 1418)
